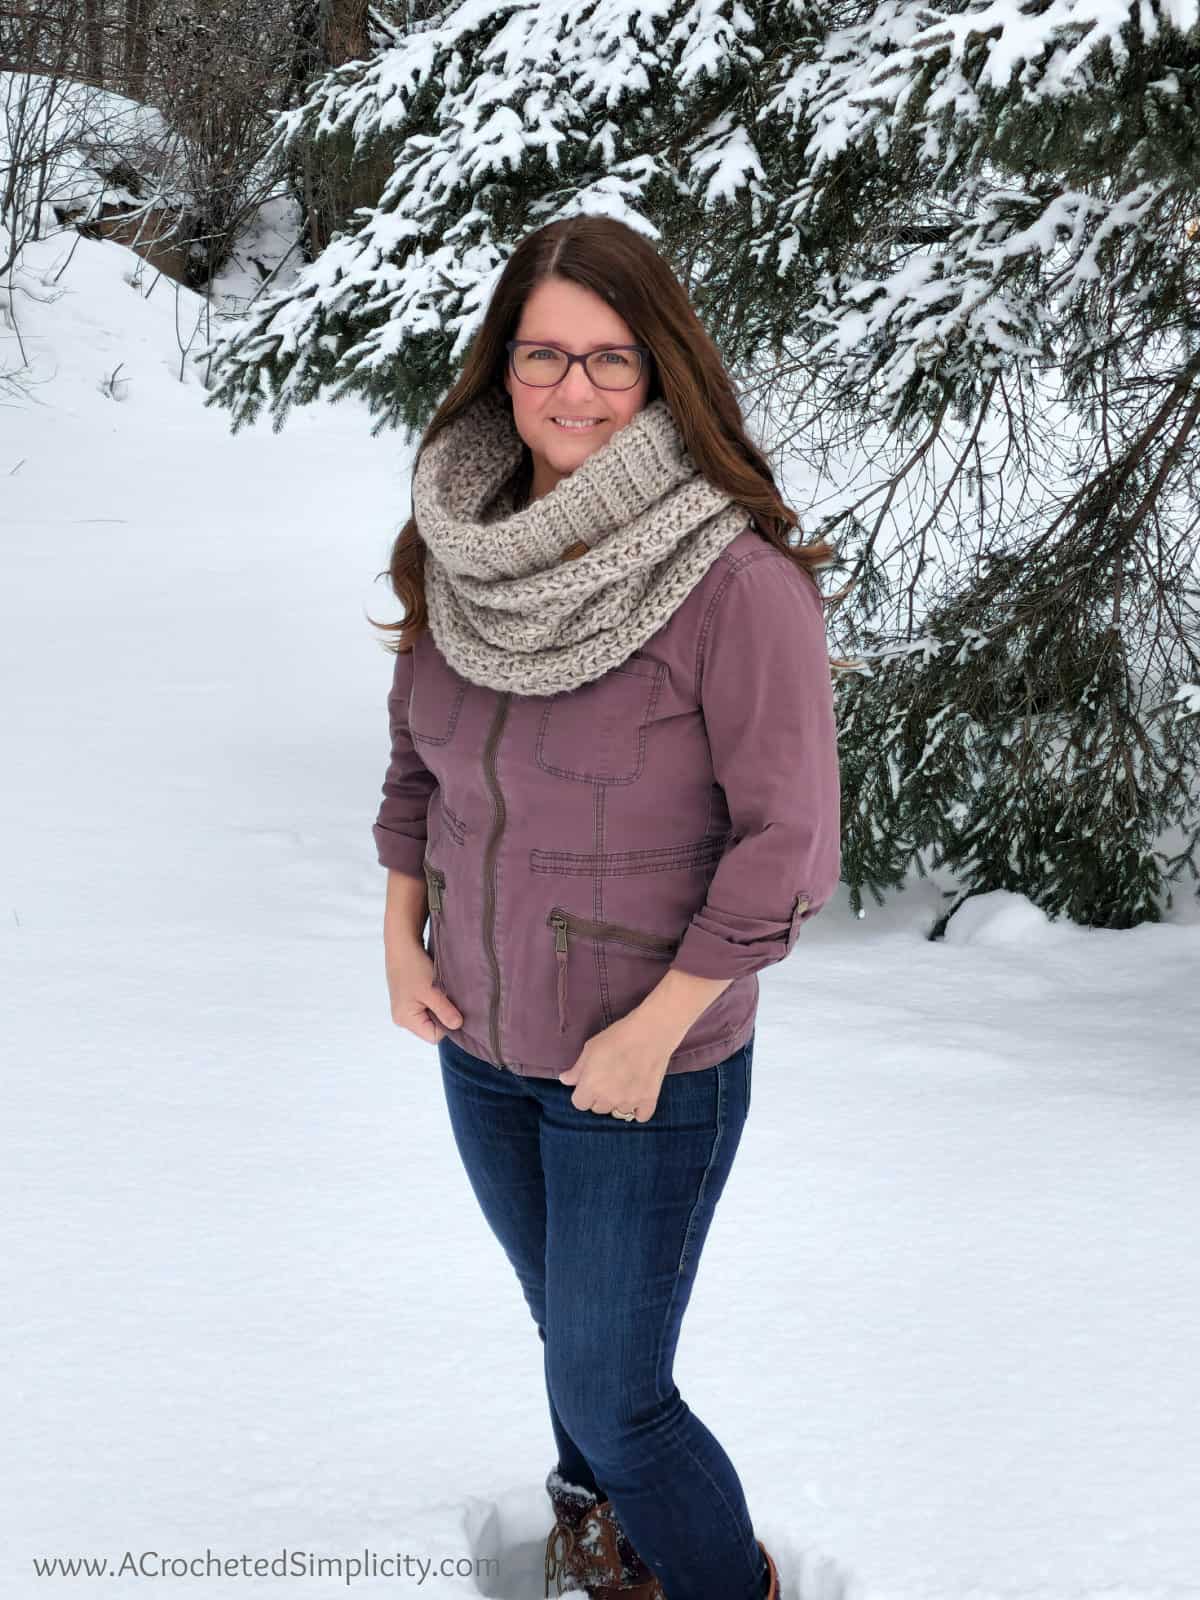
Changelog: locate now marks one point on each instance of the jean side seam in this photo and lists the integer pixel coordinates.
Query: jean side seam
(718, 1133)
(676, 1436)
(674, 1433)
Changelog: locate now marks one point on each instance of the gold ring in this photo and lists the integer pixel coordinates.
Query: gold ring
(625, 1116)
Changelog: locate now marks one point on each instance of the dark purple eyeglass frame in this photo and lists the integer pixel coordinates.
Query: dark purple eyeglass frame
(548, 344)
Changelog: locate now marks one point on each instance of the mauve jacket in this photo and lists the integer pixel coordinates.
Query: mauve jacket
(682, 810)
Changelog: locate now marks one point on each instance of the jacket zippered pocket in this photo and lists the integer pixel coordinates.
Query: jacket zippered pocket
(566, 922)
(799, 910)
(435, 878)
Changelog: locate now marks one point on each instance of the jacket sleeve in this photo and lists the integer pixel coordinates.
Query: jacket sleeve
(767, 701)
(400, 827)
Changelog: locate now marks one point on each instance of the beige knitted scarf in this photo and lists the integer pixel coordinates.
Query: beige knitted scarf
(507, 607)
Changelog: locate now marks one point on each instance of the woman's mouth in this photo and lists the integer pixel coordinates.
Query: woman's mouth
(577, 424)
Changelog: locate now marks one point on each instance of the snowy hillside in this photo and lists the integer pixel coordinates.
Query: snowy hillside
(948, 1320)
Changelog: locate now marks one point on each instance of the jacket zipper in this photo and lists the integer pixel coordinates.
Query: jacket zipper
(562, 921)
(489, 871)
(436, 880)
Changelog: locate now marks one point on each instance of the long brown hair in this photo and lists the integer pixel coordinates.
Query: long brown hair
(615, 262)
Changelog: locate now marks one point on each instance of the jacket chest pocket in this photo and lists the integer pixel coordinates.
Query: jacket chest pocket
(435, 701)
(597, 733)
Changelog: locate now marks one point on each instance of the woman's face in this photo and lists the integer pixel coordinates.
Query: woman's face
(574, 319)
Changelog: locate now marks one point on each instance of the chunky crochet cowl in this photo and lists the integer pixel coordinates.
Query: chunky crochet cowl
(548, 596)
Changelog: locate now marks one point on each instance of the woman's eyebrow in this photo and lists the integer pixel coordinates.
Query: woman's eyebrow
(609, 344)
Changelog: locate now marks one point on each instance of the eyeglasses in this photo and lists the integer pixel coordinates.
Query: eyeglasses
(618, 366)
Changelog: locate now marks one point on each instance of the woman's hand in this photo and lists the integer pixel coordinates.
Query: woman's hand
(416, 1003)
(622, 1067)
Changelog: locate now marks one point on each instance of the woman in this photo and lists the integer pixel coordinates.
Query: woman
(612, 702)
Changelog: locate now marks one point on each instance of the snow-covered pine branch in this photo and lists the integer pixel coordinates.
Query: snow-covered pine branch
(951, 251)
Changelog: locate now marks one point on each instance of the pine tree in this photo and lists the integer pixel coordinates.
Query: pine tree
(958, 240)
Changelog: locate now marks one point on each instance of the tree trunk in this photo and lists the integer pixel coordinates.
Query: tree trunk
(331, 184)
(136, 47)
(93, 42)
(344, 31)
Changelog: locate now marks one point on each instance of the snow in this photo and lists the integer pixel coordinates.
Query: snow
(998, 918)
(948, 1319)
(83, 130)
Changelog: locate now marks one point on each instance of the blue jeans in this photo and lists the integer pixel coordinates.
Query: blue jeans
(604, 1221)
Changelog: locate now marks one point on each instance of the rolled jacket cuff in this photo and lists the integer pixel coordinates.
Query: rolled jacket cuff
(400, 851)
(706, 952)
(707, 955)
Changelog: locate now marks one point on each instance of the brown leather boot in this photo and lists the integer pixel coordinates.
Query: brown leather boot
(571, 1504)
(588, 1546)
(621, 1574)
(637, 1581)
(773, 1588)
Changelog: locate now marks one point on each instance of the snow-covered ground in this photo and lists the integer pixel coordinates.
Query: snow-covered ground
(948, 1319)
